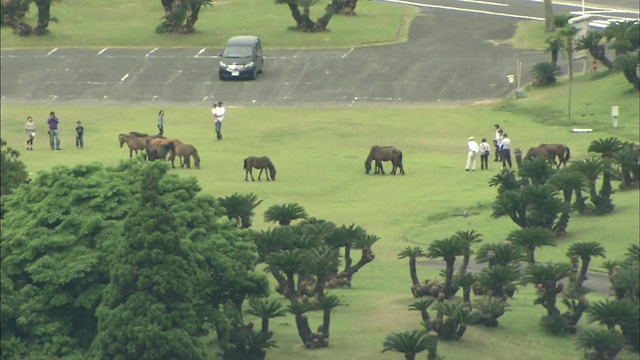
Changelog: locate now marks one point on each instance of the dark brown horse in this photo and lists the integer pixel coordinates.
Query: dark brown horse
(160, 151)
(561, 151)
(136, 141)
(185, 152)
(384, 153)
(157, 142)
(262, 163)
(550, 151)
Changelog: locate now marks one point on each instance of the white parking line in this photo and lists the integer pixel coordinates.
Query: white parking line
(483, 2)
(150, 52)
(52, 51)
(102, 51)
(347, 53)
(464, 10)
(124, 77)
(199, 52)
(626, 11)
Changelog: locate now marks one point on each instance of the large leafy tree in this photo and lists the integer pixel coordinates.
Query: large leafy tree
(147, 310)
(58, 241)
(13, 172)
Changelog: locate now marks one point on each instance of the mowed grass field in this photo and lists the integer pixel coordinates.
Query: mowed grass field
(319, 155)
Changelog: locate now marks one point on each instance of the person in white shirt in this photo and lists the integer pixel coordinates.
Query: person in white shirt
(472, 150)
(218, 114)
(485, 150)
(496, 141)
(31, 132)
(505, 151)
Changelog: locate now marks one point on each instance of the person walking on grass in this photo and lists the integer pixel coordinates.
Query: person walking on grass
(505, 151)
(54, 135)
(218, 113)
(79, 136)
(485, 151)
(161, 122)
(31, 132)
(472, 151)
(496, 141)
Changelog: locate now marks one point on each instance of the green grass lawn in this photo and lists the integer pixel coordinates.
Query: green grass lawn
(133, 22)
(319, 155)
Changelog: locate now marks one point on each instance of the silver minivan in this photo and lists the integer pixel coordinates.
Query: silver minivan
(242, 57)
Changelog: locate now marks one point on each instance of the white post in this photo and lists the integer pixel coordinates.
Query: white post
(582, 7)
(614, 116)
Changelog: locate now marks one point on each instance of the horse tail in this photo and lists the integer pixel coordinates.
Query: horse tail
(400, 156)
(567, 155)
(196, 158)
(246, 165)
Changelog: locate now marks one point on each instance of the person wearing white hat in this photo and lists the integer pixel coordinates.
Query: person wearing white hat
(472, 150)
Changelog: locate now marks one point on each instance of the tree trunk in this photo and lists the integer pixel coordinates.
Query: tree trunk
(464, 265)
(414, 272)
(606, 189)
(548, 17)
(530, 253)
(410, 356)
(560, 228)
(554, 57)
(550, 301)
(265, 325)
(282, 282)
(583, 270)
(347, 257)
(632, 77)
(44, 14)
(466, 294)
(167, 5)
(326, 322)
(295, 13)
(570, 52)
(350, 7)
(304, 331)
(448, 280)
(367, 257)
(189, 27)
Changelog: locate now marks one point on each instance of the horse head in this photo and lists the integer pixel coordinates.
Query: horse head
(272, 171)
(121, 137)
(367, 167)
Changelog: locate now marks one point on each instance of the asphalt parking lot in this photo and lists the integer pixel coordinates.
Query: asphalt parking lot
(447, 58)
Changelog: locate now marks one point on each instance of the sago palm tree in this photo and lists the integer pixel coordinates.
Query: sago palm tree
(422, 305)
(592, 168)
(412, 253)
(447, 249)
(591, 42)
(284, 214)
(532, 238)
(499, 281)
(568, 181)
(408, 343)
(612, 312)
(606, 148)
(489, 309)
(628, 161)
(624, 35)
(545, 73)
(628, 64)
(600, 344)
(327, 303)
(265, 310)
(469, 237)
(585, 251)
(555, 44)
(546, 277)
(466, 282)
(501, 254)
(240, 208)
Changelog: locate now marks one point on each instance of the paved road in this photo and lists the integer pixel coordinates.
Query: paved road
(447, 59)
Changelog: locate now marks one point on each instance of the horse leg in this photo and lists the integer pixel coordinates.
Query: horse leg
(379, 167)
(260, 174)
(187, 162)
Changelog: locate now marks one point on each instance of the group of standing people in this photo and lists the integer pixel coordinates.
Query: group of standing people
(54, 134)
(502, 145)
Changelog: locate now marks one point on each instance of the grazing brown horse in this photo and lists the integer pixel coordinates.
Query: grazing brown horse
(262, 163)
(561, 151)
(384, 153)
(157, 142)
(135, 143)
(159, 152)
(184, 152)
(550, 151)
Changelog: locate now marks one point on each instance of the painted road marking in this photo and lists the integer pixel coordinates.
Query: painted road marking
(464, 10)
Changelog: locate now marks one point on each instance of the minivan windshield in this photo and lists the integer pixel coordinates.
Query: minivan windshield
(237, 52)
